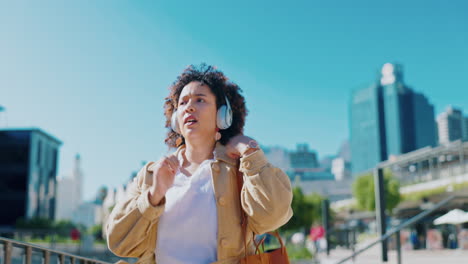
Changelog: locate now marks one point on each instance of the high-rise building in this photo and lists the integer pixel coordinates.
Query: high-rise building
(341, 169)
(277, 156)
(88, 214)
(451, 125)
(465, 129)
(425, 127)
(305, 166)
(345, 151)
(70, 193)
(28, 171)
(303, 158)
(388, 118)
(368, 142)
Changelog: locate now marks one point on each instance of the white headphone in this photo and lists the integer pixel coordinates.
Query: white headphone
(223, 117)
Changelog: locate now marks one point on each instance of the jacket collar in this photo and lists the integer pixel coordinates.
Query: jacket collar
(219, 154)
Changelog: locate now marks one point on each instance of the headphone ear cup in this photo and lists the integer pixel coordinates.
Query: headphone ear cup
(228, 116)
(220, 117)
(224, 117)
(174, 123)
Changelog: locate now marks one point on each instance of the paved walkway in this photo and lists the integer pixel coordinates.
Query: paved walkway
(373, 256)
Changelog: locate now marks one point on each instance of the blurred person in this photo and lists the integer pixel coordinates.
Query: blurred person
(185, 208)
(317, 232)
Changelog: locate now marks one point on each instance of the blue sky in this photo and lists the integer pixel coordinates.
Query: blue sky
(94, 73)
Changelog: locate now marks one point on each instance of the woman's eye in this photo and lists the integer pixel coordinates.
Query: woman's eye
(200, 100)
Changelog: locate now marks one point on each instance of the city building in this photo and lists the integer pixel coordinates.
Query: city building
(326, 162)
(345, 151)
(303, 158)
(341, 169)
(70, 192)
(278, 156)
(332, 190)
(88, 214)
(388, 119)
(307, 173)
(430, 167)
(28, 174)
(452, 125)
(465, 129)
(367, 133)
(304, 165)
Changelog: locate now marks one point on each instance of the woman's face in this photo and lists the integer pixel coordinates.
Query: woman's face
(196, 112)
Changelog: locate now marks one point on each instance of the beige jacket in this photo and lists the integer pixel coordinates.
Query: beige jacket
(266, 198)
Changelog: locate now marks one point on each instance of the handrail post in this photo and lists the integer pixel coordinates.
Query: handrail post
(353, 243)
(28, 255)
(61, 259)
(10, 244)
(46, 257)
(380, 208)
(398, 246)
(326, 222)
(7, 247)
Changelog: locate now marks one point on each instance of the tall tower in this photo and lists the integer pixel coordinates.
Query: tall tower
(77, 176)
(367, 128)
(451, 125)
(388, 118)
(70, 191)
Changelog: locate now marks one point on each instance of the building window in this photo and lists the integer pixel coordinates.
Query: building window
(39, 145)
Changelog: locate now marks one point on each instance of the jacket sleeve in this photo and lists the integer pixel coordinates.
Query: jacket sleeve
(266, 194)
(132, 218)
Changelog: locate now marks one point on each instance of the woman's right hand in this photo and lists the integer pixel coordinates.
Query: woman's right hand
(163, 178)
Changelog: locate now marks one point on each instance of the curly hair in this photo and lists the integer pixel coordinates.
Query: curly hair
(220, 86)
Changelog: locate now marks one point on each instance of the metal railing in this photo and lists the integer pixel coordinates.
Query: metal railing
(46, 254)
(396, 230)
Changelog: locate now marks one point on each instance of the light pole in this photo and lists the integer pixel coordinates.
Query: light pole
(380, 208)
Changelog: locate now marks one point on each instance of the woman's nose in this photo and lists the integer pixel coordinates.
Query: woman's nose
(190, 107)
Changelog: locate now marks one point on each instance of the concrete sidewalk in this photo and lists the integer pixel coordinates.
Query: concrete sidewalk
(373, 255)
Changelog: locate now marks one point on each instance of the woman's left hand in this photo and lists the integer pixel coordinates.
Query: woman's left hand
(237, 146)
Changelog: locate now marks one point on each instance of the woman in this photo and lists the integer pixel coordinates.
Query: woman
(185, 208)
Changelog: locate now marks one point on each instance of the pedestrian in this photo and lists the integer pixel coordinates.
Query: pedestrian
(317, 232)
(186, 207)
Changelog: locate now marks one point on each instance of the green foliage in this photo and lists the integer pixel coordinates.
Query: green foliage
(295, 252)
(64, 227)
(363, 191)
(414, 196)
(96, 232)
(51, 239)
(61, 228)
(307, 209)
(34, 223)
(299, 252)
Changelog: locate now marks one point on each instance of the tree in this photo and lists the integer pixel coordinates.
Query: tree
(37, 223)
(306, 210)
(363, 191)
(64, 227)
(96, 232)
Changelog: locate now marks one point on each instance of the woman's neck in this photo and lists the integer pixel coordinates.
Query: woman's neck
(197, 153)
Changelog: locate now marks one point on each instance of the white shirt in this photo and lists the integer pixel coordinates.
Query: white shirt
(187, 230)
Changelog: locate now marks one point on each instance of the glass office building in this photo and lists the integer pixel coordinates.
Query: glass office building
(28, 174)
(388, 119)
(368, 146)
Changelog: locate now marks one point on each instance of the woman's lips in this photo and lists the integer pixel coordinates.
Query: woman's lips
(190, 123)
